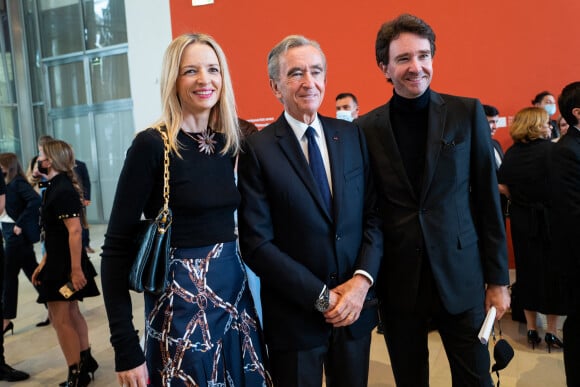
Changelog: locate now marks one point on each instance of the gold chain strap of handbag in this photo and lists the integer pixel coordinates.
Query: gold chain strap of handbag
(165, 210)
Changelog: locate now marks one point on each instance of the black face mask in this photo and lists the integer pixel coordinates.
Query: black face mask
(40, 168)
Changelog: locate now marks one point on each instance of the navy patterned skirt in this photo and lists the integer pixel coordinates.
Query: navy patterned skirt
(203, 330)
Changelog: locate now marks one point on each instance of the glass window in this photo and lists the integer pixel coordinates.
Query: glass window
(67, 85)
(61, 27)
(9, 133)
(105, 23)
(110, 78)
(33, 54)
(114, 134)
(6, 78)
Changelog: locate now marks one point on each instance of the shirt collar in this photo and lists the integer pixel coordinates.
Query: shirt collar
(299, 127)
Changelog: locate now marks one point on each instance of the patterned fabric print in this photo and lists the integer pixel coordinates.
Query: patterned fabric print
(203, 330)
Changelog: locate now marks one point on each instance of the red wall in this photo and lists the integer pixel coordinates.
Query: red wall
(501, 51)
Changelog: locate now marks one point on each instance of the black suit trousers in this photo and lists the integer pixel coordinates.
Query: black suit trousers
(406, 338)
(345, 362)
(19, 254)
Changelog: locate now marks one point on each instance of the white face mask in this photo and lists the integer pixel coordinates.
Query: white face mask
(550, 108)
(344, 115)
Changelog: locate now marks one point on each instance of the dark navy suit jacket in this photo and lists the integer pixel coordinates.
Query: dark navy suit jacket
(290, 240)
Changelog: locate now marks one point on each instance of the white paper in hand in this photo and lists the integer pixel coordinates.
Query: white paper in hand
(485, 330)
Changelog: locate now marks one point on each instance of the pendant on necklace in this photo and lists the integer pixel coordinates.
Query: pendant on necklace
(205, 141)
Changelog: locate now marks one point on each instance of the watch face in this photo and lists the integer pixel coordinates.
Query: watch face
(323, 302)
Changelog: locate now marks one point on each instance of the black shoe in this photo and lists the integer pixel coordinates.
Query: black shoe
(533, 338)
(43, 323)
(88, 363)
(380, 328)
(11, 375)
(9, 327)
(76, 378)
(553, 341)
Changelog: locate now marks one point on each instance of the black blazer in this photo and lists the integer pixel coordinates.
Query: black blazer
(456, 218)
(82, 174)
(290, 240)
(565, 214)
(23, 206)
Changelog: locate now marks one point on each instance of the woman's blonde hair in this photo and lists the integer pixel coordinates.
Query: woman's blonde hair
(62, 159)
(223, 117)
(529, 124)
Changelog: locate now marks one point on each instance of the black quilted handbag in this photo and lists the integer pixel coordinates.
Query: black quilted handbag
(149, 270)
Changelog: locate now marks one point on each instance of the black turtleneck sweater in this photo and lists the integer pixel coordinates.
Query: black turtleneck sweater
(409, 120)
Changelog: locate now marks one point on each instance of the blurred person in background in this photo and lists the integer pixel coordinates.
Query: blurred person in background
(21, 231)
(65, 262)
(524, 177)
(547, 101)
(346, 107)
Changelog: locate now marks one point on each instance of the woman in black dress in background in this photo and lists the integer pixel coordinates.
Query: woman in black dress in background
(524, 177)
(202, 330)
(65, 260)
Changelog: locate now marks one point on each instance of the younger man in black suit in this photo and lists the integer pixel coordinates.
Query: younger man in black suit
(445, 258)
(565, 224)
(309, 228)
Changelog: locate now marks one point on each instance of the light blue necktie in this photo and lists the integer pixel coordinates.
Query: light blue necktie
(317, 168)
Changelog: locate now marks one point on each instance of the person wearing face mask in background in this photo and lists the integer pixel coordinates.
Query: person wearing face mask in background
(546, 100)
(346, 107)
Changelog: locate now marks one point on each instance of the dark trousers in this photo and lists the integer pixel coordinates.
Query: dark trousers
(571, 332)
(345, 362)
(406, 338)
(85, 238)
(19, 254)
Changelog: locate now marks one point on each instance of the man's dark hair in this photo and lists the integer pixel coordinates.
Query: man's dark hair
(490, 111)
(568, 100)
(540, 96)
(346, 95)
(391, 30)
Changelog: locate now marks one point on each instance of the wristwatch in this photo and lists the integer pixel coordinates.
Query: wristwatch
(323, 301)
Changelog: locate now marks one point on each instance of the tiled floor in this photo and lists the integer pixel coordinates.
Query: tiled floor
(36, 350)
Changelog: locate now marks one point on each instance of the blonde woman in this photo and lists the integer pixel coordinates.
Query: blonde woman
(202, 330)
(524, 177)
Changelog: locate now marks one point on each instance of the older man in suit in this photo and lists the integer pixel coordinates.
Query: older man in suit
(309, 228)
(565, 223)
(445, 258)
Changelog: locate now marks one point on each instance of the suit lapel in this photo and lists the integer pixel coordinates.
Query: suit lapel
(387, 138)
(336, 157)
(435, 129)
(293, 152)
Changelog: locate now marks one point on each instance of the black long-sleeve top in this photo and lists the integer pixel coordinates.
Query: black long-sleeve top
(203, 197)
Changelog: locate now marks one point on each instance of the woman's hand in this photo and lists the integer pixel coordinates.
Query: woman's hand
(17, 230)
(78, 279)
(137, 377)
(37, 271)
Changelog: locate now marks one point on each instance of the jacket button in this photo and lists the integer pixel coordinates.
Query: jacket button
(333, 276)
